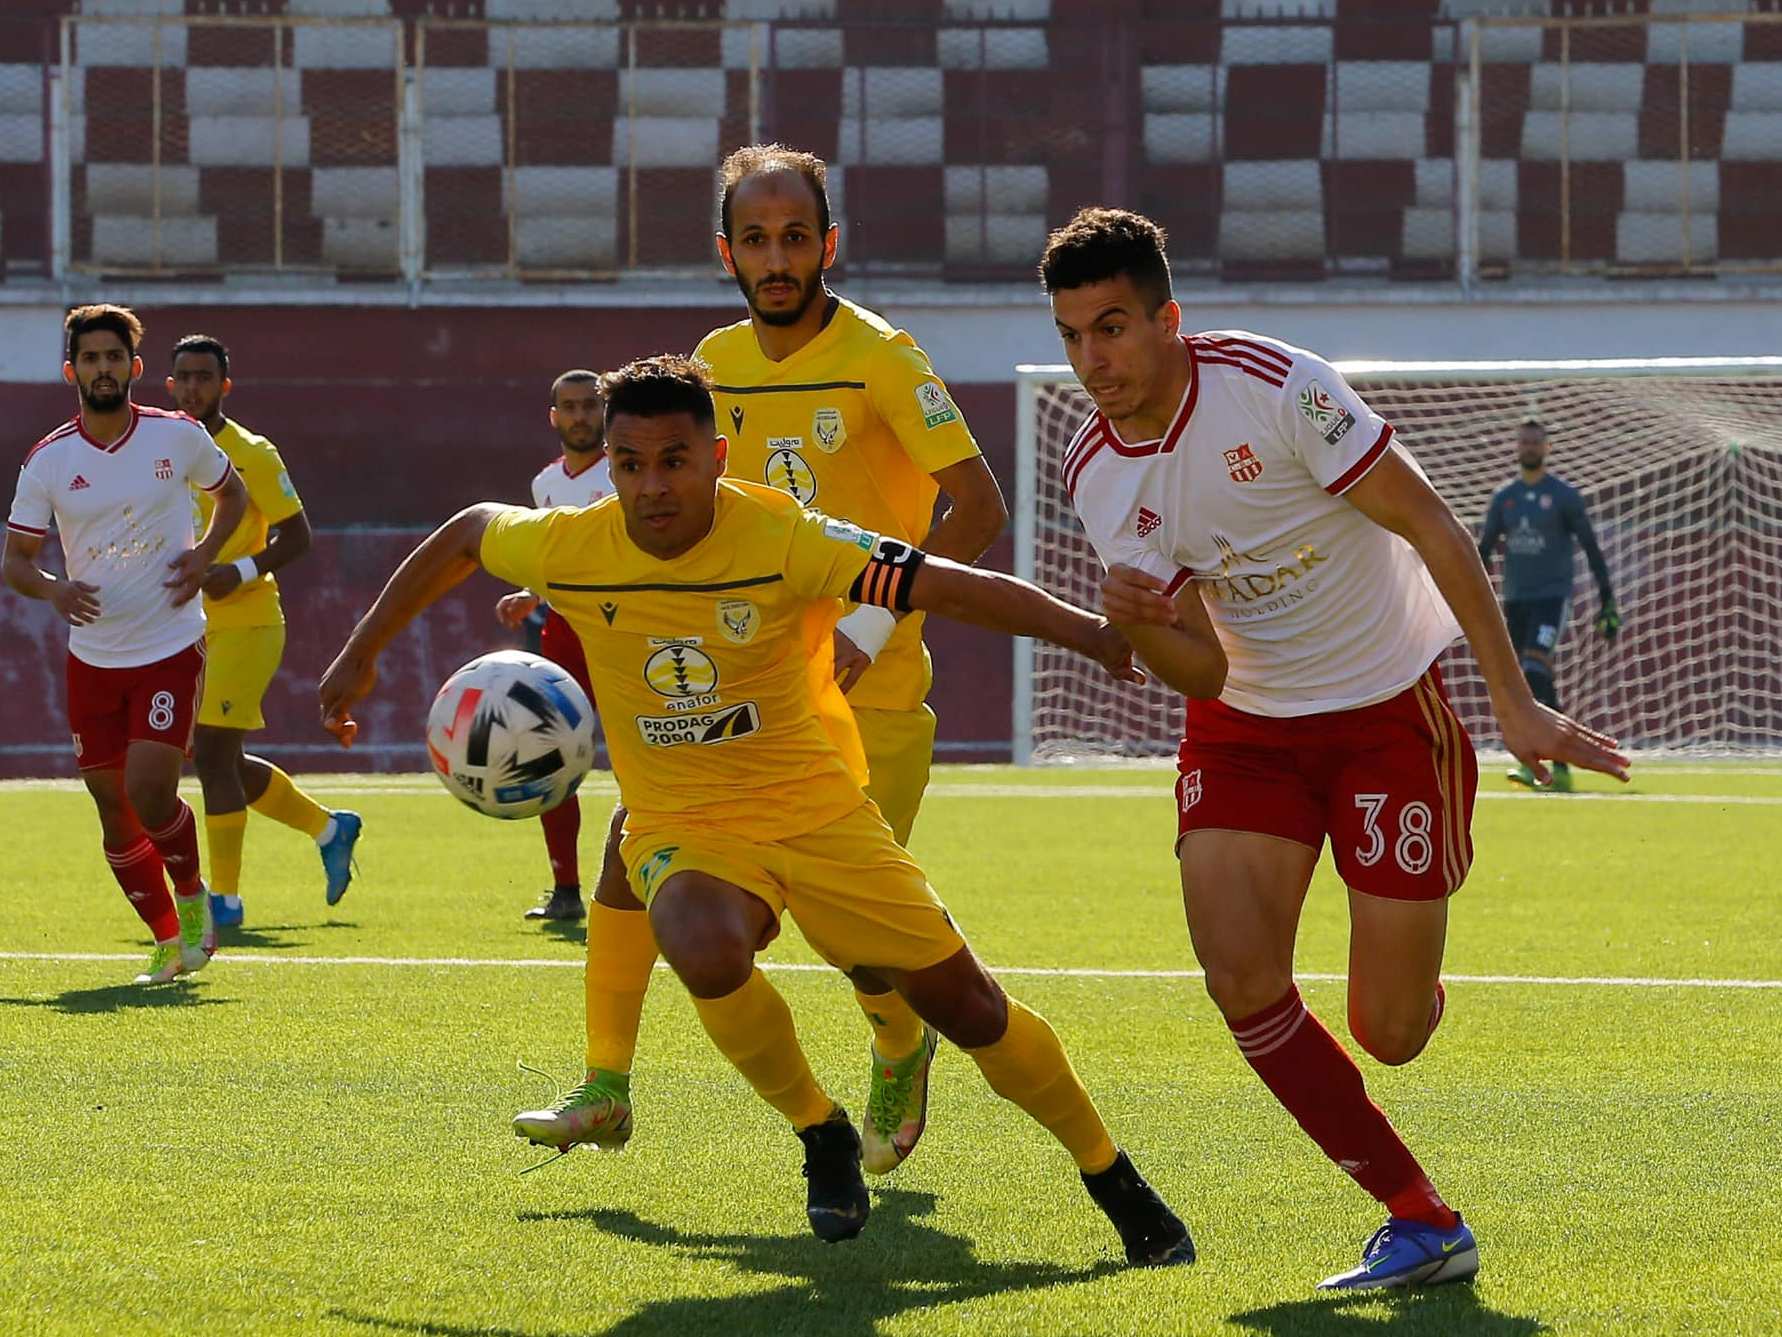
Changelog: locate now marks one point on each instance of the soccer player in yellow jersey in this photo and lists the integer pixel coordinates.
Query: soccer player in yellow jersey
(245, 641)
(824, 400)
(707, 608)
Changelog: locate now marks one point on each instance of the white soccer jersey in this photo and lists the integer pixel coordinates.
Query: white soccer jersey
(1318, 608)
(556, 486)
(123, 512)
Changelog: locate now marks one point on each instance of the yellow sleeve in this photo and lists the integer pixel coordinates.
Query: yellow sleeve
(516, 546)
(268, 484)
(826, 555)
(914, 402)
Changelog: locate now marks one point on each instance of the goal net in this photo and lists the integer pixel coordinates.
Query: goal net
(1679, 461)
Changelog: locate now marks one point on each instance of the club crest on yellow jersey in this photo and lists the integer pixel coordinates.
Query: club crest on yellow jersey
(829, 429)
(738, 620)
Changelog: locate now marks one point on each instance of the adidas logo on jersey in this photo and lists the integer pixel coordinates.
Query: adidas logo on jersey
(1147, 522)
(78, 484)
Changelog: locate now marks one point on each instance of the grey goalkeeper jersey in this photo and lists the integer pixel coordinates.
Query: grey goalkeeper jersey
(1538, 523)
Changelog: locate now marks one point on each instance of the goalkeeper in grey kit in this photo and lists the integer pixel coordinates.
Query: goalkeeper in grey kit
(1538, 516)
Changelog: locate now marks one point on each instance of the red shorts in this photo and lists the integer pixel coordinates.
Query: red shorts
(559, 644)
(110, 708)
(1391, 784)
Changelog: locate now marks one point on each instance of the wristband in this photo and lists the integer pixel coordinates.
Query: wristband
(869, 628)
(247, 568)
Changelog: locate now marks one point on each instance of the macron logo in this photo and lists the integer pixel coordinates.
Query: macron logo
(1148, 520)
(78, 484)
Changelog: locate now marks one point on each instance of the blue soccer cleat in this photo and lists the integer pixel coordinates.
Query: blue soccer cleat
(337, 853)
(222, 915)
(1410, 1253)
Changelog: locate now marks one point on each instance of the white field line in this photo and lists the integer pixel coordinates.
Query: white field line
(799, 967)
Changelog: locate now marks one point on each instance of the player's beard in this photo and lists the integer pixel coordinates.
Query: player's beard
(582, 443)
(809, 290)
(1531, 462)
(95, 401)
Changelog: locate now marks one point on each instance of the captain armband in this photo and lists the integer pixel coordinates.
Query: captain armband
(886, 581)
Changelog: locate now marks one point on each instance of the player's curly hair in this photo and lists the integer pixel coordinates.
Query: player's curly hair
(1100, 244)
(653, 387)
(753, 159)
(120, 320)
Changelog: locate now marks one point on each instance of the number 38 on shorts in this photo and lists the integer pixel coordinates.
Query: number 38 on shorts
(1390, 785)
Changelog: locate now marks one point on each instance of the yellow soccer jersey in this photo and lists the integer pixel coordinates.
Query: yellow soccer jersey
(271, 498)
(714, 671)
(854, 423)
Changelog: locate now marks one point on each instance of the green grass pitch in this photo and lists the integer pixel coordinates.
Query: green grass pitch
(312, 1135)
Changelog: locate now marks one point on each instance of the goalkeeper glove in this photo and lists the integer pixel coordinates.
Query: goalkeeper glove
(1608, 622)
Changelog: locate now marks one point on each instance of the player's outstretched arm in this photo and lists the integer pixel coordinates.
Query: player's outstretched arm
(444, 559)
(906, 579)
(1395, 496)
(1173, 636)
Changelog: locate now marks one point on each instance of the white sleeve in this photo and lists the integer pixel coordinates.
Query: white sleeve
(538, 497)
(207, 467)
(1328, 426)
(1115, 536)
(31, 510)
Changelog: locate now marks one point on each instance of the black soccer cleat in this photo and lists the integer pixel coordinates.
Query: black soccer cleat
(835, 1196)
(1153, 1235)
(565, 903)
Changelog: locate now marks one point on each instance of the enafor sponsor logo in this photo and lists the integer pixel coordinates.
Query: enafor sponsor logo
(702, 728)
(788, 470)
(1241, 463)
(1331, 419)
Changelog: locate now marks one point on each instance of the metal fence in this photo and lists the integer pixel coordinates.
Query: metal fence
(437, 150)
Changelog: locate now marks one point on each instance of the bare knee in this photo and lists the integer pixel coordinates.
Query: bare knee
(708, 938)
(959, 999)
(1392, 1039)
(1243, 991)
(613, 890)
(216, 756)
(155, 801)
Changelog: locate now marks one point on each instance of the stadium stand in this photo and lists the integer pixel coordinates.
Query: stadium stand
(1316, 141)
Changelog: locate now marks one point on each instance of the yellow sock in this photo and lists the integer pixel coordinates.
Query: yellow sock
(222, 833)
(284, 802)
(896, 1030)
(1030, 1068)
(621, 953)
(753, 1029)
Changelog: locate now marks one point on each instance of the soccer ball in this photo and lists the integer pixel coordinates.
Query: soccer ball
(511, 734)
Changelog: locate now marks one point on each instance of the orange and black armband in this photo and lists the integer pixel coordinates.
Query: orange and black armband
(886, 580)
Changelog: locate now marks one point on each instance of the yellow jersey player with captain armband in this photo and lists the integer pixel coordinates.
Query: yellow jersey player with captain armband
(706, 608)
(245, 641)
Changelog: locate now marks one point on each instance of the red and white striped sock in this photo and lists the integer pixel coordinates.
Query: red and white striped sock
(1320, 1086)
(137, 867)
(178, 846)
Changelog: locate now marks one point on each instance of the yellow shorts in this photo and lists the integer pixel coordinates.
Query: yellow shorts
(899, 752)
(238, 668)
(856, 896)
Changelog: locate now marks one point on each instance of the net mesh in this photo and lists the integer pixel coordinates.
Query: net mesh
(1683, 478)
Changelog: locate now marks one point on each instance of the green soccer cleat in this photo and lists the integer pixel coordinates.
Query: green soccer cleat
(197, 929)
(171, 959)
(1521, 775)
(597, 1111)
(1562, 779)
(897, 1108)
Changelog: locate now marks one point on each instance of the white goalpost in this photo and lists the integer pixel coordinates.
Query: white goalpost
(1679, 461)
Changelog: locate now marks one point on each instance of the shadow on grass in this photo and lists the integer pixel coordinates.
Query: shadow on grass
(1440, 1311)
(565, 930)
(119, 998)
(270, 936)
(899, 1266)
